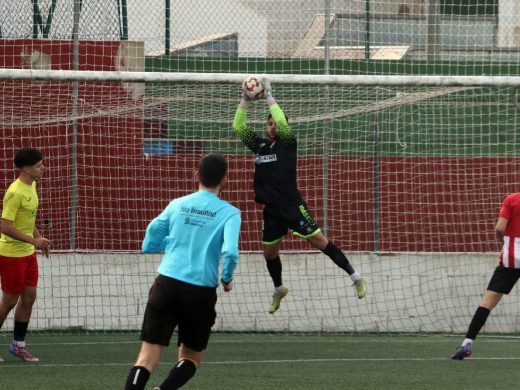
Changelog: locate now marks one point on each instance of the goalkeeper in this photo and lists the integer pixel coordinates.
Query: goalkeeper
(276, 189)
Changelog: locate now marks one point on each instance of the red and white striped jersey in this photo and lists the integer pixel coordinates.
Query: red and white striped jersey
(510, 256)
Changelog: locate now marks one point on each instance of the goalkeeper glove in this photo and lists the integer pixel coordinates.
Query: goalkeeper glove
(244, 99)
(268, 91)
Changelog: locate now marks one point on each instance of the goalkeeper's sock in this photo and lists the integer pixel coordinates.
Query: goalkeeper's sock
(478, 321)
(137, 378)
(338, 257)
(181, 373)
(355, 276)
(274, 267)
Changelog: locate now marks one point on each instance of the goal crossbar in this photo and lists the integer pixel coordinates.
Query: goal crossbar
(172, 77)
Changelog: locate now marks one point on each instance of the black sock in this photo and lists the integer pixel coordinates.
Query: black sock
(478, 321)
(137, 378)
(337, 256)
(275, 270)
(181, 373)
(20, 330)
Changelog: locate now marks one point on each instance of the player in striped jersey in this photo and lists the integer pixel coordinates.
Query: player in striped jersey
(194, 232)
(276, 188)
(506, 274)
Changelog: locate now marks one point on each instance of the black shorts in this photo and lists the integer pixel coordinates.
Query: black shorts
(278, 220)
(503, 279)
(173, 303)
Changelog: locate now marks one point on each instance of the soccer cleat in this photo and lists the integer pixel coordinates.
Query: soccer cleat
(464, 351)
(361, 290)
(277, 298)
(22, 353)
(1, 359)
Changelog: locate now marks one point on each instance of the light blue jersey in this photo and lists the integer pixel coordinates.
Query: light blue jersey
(194, 232)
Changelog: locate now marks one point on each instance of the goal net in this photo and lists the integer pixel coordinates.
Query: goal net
(405, 174)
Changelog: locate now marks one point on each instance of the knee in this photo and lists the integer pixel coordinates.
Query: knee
(28, 299)
(9, 302)
(490, 300)
(270, 255)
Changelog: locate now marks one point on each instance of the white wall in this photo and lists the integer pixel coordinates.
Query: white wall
(194, 19)
(508, 23)
(406, 293)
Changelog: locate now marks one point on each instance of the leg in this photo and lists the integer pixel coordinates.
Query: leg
(24, 307)
(319, 241)
(184, 370)
(7, 303)
(156, 332)
(22, 316)
(145, 365)
(149, 356)
(501, 283)
(490, 300)
(274, 265)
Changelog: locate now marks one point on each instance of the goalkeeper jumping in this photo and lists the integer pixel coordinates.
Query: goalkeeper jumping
(276, 189)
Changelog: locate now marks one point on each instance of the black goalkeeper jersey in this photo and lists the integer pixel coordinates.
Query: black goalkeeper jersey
(275, 160)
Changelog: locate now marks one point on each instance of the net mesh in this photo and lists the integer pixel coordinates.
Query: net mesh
(407, 180)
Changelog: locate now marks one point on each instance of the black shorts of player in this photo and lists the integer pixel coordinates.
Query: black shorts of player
(503, 279)
(278, 220)
(173, 303)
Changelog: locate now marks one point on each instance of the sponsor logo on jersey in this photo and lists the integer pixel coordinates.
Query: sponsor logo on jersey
(265, 159)
(194, 211)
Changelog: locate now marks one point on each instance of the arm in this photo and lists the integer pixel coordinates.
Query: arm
(156, 232)
(37, 235)
(230, 250)
(10, 230)
(500, 228)
(11, 205)
(285, 132)
(243, 131)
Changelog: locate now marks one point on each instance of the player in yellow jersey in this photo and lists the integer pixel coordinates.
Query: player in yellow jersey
(18, 240)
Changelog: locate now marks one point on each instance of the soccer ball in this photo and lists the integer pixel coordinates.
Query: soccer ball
(252, 87)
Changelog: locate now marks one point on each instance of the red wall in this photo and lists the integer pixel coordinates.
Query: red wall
(421, 203)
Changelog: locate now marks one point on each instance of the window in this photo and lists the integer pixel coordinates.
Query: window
(469, 7)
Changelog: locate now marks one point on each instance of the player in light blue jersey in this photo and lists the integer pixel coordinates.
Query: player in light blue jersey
(194, 232)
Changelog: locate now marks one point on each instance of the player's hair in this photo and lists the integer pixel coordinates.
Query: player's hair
(271, 115)
(25, 157)
(212, 169)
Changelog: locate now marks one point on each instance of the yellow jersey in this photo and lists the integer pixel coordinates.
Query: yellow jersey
(20, 206)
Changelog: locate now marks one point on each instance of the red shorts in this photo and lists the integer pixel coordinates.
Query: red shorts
(17, 272)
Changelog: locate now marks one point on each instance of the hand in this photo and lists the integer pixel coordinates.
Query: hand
(227, 287)
(244, 95)
(42, 243)
(266, 84)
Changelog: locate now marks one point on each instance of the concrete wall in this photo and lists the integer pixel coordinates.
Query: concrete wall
(406, 293)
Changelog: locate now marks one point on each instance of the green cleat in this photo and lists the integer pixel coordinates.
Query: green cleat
(360, 288)
(277, 298)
